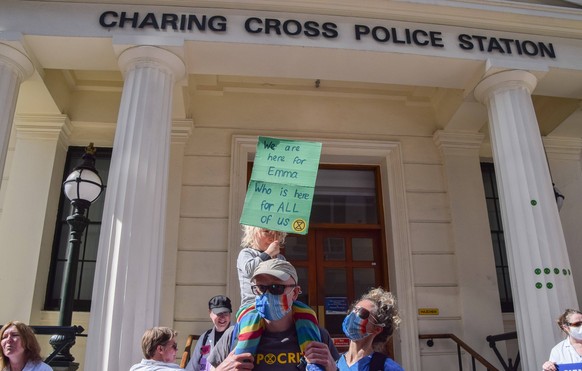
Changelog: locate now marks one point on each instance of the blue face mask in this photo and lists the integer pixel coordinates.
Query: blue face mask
(355, 327)
(272, 307)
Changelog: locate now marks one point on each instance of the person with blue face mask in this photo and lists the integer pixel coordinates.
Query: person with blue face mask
(569, 350)
(277, 332)
(369, 324)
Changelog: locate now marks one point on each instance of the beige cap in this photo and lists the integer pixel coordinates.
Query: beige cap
(278, 268)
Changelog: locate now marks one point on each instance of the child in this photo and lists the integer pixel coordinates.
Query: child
(259, 245)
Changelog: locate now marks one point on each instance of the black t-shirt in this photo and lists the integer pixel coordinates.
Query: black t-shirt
(276, 350)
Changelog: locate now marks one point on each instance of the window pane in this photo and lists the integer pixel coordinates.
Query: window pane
(492, 211)
(487, 184)
(336, 287)
(296, 247)
(345, 197)
(501, 284)
(364, 279)
(58, 281)
(63, 242)
(497, 238)
(86, 275)
(496, 248)
(334, 249)
(96, 208)
(362, 249)
(304, 283)
(89, 251)
(336, 282)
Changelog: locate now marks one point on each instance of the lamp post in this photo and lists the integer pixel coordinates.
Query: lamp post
(82, 187)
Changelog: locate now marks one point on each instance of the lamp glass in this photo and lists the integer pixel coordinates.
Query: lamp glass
(83, 184)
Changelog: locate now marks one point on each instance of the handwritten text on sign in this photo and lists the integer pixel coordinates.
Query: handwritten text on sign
(282, 185)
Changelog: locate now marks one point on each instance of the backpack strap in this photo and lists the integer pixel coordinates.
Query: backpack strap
(204, 340)
(377, 361)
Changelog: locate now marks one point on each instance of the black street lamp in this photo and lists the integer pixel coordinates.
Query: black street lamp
(83, 186)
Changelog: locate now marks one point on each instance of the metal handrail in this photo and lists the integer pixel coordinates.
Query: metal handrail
(460, 344)
(492, 339)
(68, 333)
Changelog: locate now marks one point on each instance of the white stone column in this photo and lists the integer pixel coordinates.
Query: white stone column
(15, 67)
(29, 214)
(540, 272)
(478, 291)
(128, 278)
(564, 157)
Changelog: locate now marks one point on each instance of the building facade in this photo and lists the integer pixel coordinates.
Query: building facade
(408, 99)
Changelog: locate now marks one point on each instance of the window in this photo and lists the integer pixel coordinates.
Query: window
(345, 196)
(90, 238)
(501, 264)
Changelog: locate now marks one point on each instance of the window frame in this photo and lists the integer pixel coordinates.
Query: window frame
(497, 237)
(52, 297)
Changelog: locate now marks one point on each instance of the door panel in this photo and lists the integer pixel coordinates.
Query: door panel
(346, 268)
(335, 267)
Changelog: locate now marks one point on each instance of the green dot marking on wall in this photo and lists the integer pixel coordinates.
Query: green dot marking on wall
(549, 285)
(538, 271)
(564, 272)
(538, 285)
(556, 271)
(534, 202)
(547, 270)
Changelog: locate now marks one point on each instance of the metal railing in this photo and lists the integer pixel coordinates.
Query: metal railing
(460, 345)
(493, 339)
(64, 337)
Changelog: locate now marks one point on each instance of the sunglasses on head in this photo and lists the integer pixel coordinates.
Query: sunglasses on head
(274, 289)
(363, 313)
(575, 324)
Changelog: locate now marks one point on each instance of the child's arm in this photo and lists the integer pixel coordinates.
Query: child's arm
(248, 260)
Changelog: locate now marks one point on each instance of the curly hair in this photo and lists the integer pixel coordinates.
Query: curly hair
(29, 343)
(385, 312)
(154, 337)
(251, 236)
(564, 319)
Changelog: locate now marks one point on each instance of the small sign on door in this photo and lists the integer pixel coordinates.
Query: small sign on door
(336, 305)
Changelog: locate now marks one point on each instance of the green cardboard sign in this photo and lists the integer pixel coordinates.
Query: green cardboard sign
(282, 185)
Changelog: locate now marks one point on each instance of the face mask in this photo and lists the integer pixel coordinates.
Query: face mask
(354, 327)
(272, 307)
(576, 332)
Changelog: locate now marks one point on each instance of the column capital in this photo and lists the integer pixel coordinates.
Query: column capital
(504, 80)
(458, 143)
(17, 60)
(151, 56)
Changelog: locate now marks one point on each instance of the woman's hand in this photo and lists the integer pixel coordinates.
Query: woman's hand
(316, 352)
(242, 361)
(549, 366)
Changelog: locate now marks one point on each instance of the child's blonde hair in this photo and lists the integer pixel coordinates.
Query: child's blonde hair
(251, 236)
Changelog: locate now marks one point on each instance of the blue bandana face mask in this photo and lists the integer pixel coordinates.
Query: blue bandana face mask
(355, 327)
(272, 307)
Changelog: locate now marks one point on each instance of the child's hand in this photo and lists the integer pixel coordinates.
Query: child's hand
(274, 249)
